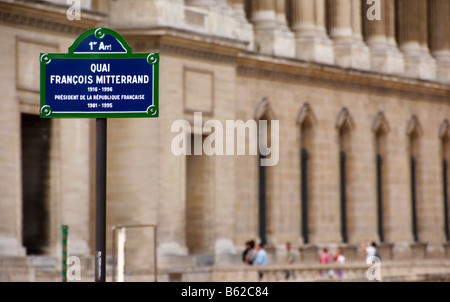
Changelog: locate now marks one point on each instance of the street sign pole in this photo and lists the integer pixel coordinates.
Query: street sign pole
(100, 202)
(100, 77)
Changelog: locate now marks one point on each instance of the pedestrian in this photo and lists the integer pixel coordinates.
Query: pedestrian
(340, 259)
(249, 253)
(290, 259)
(260, 258)
(370, 252)
(245, 252)
(325, 259)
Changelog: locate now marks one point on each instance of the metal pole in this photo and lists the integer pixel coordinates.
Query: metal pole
(414, 199)
(446, 218)
(262, 201)
(65, 230)
(154, 253)
(113, 254)
(343, 198)
(100, 202)
(304, 194)
(380, 196)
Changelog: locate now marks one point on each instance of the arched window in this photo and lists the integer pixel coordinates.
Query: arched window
(305, 120)
(264, 115)
(380, 129)
(414, 131)
(344, 125)
(444, 134)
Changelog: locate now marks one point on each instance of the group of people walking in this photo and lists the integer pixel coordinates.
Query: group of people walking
(370, 252)
(325, 258)
(256, 255)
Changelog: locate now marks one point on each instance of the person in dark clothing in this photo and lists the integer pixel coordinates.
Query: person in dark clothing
(249, 253)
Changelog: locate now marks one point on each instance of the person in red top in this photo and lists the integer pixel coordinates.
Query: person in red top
(339, 259)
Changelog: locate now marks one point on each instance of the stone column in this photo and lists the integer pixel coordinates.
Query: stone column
(439, 22)
(340, 19)
(270, 37)
(100, 5)
(408, 33)
(280, 14)
(380, 37)
(345, 30)
(10, 159)
(10, 165)
(239, 9)
(357, 17)
(320, 15)
(245, 30)
(263, 14)
(390, 25)
(376, 31)
(145, 14)
(133, 189)
(303, 18)
(70, 157)
(308, 23)
(412, 39)
(423, 26)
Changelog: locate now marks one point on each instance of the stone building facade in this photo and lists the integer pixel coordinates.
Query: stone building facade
(364, 130)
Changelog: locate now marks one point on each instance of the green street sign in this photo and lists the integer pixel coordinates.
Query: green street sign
(99, 77)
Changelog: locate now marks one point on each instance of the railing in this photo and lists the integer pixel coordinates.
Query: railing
(314, 272)
(195, 17)
(271, 273)
(307, 272)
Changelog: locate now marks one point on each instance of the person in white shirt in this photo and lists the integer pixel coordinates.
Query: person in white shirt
(370, 252)
(340, 259)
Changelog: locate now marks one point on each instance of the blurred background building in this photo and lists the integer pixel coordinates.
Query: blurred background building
(361, 92)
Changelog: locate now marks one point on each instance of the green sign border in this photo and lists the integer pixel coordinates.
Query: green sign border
(152, 58)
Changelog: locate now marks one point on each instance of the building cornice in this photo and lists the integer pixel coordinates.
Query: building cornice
(50, 17)
(184, 43)
(223, 50)
(220, 50)
(182, 34)
(292, 70)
